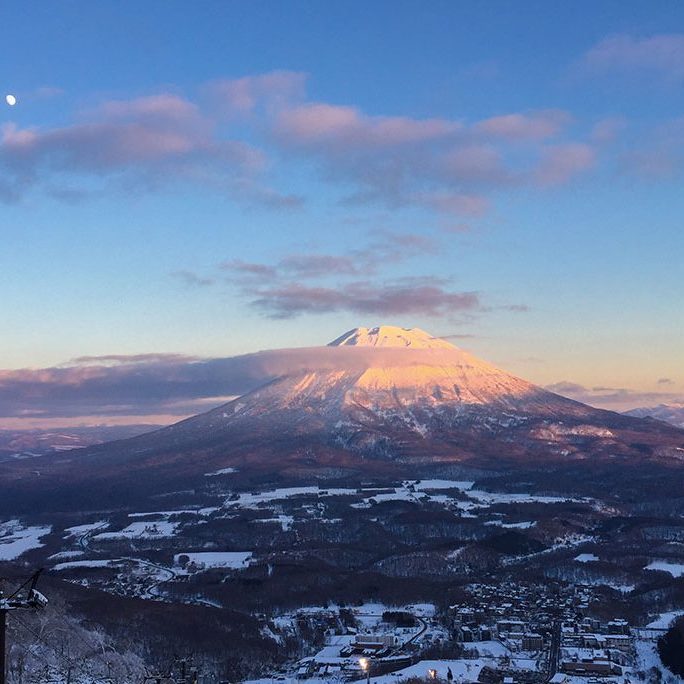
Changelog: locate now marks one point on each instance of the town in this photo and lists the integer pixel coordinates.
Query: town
(508, 633)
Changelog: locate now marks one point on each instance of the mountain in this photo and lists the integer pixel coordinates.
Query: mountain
(668, 413)
(384, 401)
(28, 443)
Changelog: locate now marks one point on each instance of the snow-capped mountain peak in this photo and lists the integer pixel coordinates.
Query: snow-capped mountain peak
(390, 336)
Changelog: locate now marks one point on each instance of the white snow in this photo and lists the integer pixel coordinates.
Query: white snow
(664, 620)
(64, 555)
(512, 526)
(253, 499)
(79, 530)
(223, 471)
(675, 569)
(235, 560)
(141, 530)
(167, 514)
(586, 558)
(285, 521)
(85, 564)
(422, 485)
(16, 539)
(390, 336)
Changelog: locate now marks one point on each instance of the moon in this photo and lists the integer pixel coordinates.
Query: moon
(11, 100)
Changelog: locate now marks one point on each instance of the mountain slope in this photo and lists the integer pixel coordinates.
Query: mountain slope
(380, 401)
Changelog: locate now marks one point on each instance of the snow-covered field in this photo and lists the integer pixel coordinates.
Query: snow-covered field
(94, 563)
(675, 569)
(141, 530)
(664, 620)
(235, 560)
(586, 558)
(79, 530)
(16, 539)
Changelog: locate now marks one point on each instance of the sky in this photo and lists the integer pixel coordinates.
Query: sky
(189, 181)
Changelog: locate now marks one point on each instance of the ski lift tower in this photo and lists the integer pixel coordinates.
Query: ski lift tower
(26, 597)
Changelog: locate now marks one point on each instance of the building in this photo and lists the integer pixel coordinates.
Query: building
(532, 642)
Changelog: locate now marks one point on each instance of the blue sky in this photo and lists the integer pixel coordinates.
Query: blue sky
(216, 178)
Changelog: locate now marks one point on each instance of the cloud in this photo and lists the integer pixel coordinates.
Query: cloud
(118, 388)
(560, 163)
(239, 131)
(614, 398)
(445, 165)
(386, 247)
(339, 127)
(665, 381)
(319, 283)
(658, 154)
(661, 55)
(427, 297)
(242, 96)
(531, 126)
(571, 389)
(128, 359)
(140, 143)
(192, 279)
(457, 336)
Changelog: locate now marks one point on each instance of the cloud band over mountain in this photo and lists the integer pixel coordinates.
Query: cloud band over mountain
(170, 384)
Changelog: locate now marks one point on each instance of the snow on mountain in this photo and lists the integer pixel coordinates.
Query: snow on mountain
(378, 399)
(669, 413)
(394, 368)
(390, 336)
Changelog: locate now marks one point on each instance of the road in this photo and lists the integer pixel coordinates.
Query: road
(554, 651)
(151, 591)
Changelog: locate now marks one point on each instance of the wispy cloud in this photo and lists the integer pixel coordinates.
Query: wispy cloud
(660, 55)
(658, 154)
(323, 283)
(118, 388)
(192, 279)
(525, 126)
(241, 97)
(615, 398)
(560, 163)
(386, 247)
(424, 296)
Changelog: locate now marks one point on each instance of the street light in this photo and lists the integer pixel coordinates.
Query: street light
(365, 666)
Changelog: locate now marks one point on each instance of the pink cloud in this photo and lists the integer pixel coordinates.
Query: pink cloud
(662, 54)
(141, 143)
(440, 164)
(560, 163)
(241, 96)
(316, 123)
(531, 126)
(387, 247)
(426, 296)
(476, 164)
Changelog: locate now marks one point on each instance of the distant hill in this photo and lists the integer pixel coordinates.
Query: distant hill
(34, 442)
(668, 413)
